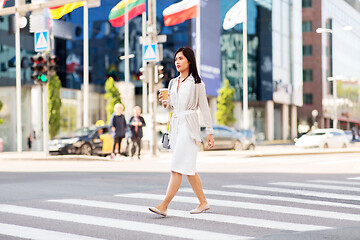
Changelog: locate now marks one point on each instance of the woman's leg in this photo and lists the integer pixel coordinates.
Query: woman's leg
(173, 187)
(196, 185)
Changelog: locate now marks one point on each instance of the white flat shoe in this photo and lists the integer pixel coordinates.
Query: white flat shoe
(200, 210)
(157, 211)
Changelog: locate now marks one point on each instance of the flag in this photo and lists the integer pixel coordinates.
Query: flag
(2, 3)
(59, 11)
(234, 16)
(117, 14)
(180, 12)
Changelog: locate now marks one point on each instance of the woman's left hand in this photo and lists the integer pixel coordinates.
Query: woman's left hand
(210, 141)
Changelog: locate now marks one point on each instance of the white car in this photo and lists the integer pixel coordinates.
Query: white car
(323, 138)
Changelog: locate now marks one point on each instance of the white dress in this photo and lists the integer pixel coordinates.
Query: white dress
(184, 148)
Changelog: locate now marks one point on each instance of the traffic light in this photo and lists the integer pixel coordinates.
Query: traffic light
(39, 68)
(142, 76)
(52, 64)
(159, 73)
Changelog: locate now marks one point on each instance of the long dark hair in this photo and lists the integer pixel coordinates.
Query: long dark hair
(190, 56)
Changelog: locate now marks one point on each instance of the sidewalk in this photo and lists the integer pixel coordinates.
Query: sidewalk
(263, 150)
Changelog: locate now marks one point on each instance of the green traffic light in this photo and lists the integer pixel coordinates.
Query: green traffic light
(42, 78)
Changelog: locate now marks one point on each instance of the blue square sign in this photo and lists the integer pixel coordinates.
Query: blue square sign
(41, 41)
(150, 52)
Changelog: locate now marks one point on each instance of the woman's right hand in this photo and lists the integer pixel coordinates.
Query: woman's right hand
(164, 103)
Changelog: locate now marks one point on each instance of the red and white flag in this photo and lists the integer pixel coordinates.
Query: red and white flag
(180, 12)
(2, 3)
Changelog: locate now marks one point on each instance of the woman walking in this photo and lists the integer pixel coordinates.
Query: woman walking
(186, 95)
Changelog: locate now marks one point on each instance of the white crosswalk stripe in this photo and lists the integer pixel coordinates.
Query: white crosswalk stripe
(208, 216)
(297, 192)
(321, 186)
(38, 234)
(335, 182)
(276, 198)
(254, 206)
(354, 178)
(117, 223)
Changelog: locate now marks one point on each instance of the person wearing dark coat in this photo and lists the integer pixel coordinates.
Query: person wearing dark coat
(118, 125)
(136, 123)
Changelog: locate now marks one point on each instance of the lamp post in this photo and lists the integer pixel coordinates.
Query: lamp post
(334, 79)
(335, 120)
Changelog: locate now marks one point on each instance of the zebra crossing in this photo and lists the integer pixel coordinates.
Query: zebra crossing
(237, 212)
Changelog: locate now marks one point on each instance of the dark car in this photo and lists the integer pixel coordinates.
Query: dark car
(95, 140)
(250, 139)
(225, 138)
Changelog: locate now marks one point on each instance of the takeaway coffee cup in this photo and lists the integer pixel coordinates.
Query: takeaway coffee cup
(164, 93)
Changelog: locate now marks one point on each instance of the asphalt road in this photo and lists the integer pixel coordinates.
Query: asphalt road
(261, 200)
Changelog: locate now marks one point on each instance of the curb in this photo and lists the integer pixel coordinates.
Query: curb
(301, 153)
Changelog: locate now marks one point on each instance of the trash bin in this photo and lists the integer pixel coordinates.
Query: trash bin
(1, 145)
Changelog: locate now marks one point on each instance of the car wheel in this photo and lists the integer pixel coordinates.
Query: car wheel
(238, 146)
(326, 145)
(251, 147)
(85, 149)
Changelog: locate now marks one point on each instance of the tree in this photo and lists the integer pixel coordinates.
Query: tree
(54, 105)
(112, 96)
(1, 105)
(225, 105)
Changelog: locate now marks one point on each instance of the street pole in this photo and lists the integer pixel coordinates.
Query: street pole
(245, 68)
(152, 95)
(86, 64)
(18, 80)
(335, 121)
(45, 119)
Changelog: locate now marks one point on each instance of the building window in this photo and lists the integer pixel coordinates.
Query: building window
(307, 26)
(307, 75)
(308, 98)
(307, 50)
(306, 3)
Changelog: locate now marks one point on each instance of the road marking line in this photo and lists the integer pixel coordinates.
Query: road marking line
(322, 186)
(117, 223)
(336, 161)
(354, 178)
(39, 234)
(297, 192)
(254, 206)
(277, 198)
(208, 216)
(335, 182)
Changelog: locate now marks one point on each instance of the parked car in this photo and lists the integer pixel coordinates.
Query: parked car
(323, 138)
(96, 140)
(225, 138)
(249, 137)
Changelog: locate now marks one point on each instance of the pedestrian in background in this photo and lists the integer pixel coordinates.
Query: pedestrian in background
(118, 125)
(29, 141)
(186, 95)
(136, 124)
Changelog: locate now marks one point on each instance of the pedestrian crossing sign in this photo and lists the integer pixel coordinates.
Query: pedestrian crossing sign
(41, 41)
(150, 52)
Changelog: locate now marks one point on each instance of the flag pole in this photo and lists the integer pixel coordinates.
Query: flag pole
(18, 80)
(197, 40)
(127, 68)
(144, 99)
(245, 68)
(86, 64)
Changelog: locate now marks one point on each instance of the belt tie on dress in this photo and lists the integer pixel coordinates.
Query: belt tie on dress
(175, 121)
